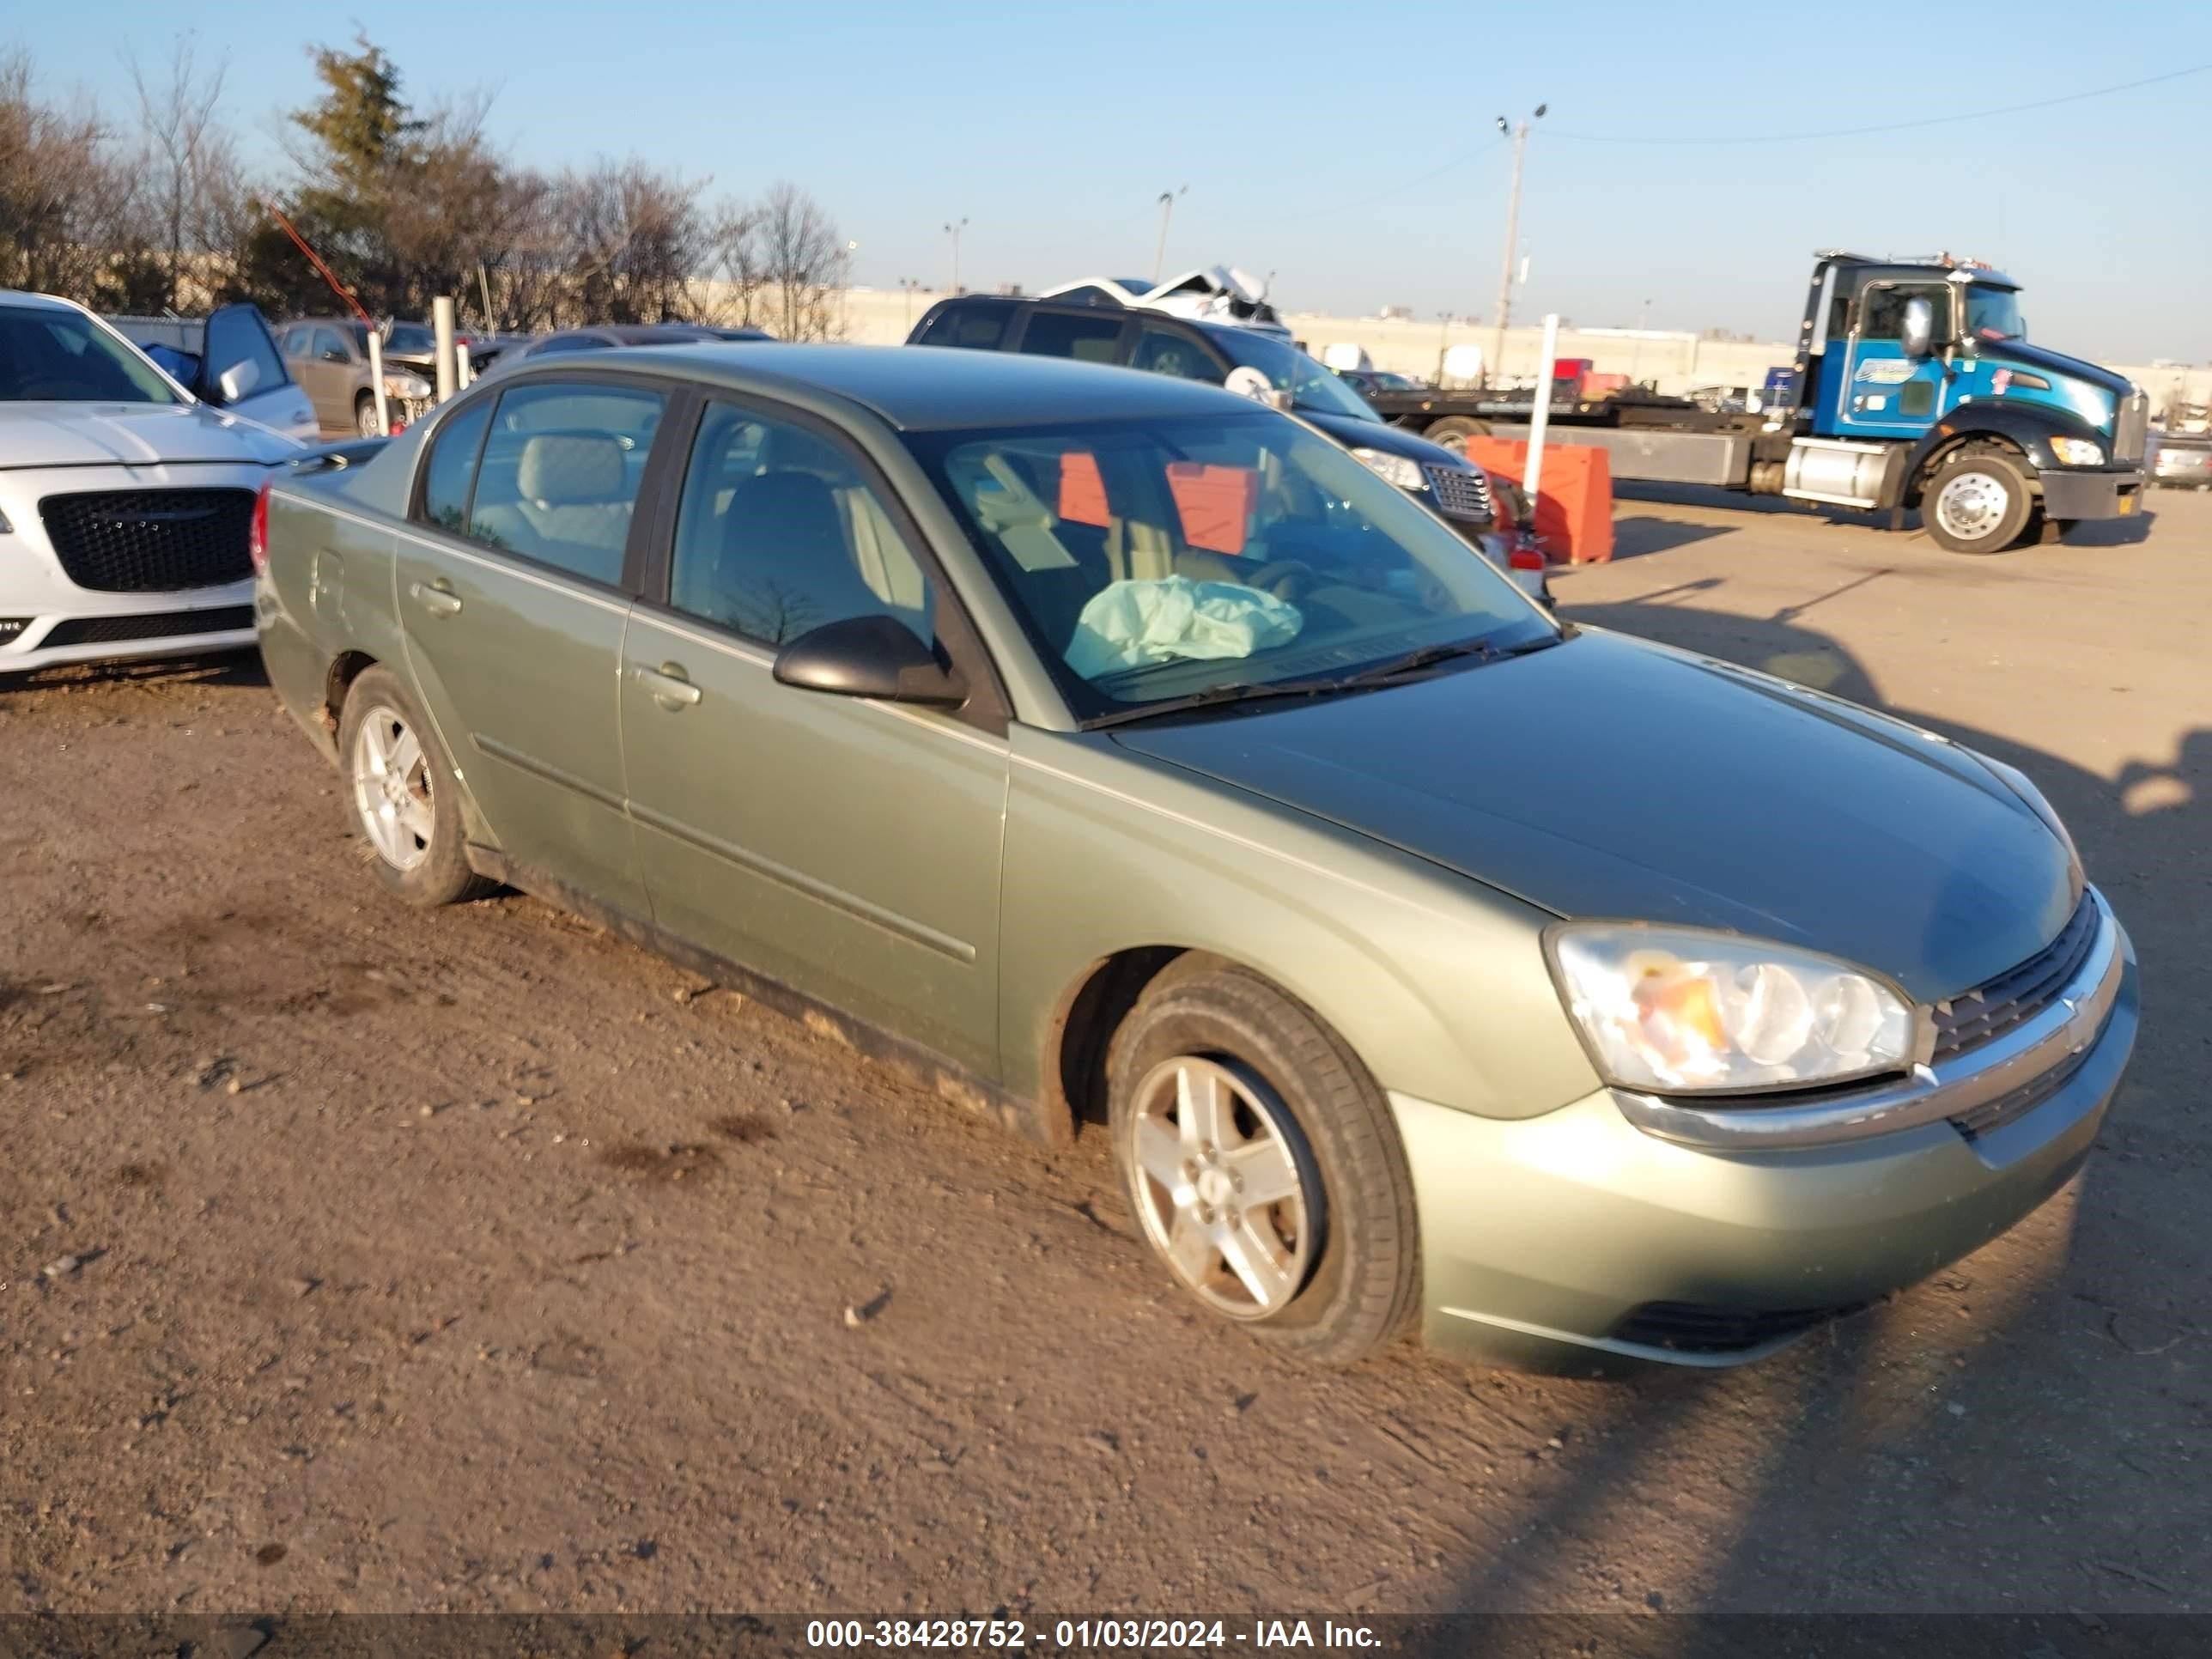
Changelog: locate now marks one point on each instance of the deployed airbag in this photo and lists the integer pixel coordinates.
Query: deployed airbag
(1132, 623)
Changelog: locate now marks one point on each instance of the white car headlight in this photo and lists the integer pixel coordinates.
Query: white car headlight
(1392, 469)
(1681, 1011)
(2078, 452)
(405, 386)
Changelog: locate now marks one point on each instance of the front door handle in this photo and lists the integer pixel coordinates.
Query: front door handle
(670, 688)
(437, 601)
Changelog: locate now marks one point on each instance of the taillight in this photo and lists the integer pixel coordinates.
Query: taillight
(257, 537)
(1524, 557)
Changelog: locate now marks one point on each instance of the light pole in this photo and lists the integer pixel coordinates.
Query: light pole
(1167, 210)
(845, 294)
(1512, 237)
(953, 231)
(909, 283)
(1635, 363)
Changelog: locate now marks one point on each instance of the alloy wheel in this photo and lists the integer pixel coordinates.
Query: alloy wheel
(1972, 505)
(1225, 1188)
(392, 789)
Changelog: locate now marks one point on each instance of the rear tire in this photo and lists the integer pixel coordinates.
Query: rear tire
(1454, 430)
(1293, 1098)
(1980, 500)
(402, 796)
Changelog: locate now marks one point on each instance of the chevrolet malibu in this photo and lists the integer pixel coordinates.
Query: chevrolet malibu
(1107, 751)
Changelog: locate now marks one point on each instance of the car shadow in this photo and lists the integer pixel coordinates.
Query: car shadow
(1868, 1460)
(240, 667)
(1641, 534)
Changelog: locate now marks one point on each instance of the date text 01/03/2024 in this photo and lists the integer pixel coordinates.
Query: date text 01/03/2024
(1084, 1635)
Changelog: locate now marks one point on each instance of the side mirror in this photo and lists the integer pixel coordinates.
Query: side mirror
(1918, 335)
(239, 380)
(869, 657)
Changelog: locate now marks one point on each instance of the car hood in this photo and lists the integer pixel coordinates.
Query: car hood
(2055, 363)
(35, 434)
(1607, 777)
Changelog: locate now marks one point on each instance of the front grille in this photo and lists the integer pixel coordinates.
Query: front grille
(1689, 1327)
(154, 625)
(151, 541)
(2130, 429)
(1992, 1115)
(2019, 993)
(1460, 493)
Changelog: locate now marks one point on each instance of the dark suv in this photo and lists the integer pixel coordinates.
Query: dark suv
(1458, 493)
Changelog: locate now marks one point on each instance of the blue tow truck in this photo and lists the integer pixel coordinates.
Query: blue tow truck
(1914, 386)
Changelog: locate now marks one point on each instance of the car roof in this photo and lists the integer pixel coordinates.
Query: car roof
(934, 388)
(30, 301)
(1148, 315)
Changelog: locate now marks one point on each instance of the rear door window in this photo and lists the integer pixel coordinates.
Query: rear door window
(1063, 334)
(559, 480)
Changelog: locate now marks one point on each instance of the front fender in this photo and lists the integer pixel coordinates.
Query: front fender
(2028, 427)
(1438, 983)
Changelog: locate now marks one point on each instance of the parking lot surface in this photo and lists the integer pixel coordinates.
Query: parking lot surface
(355, 1258)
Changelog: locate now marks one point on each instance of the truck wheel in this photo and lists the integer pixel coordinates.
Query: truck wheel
(1454, 430)
(1979, 502)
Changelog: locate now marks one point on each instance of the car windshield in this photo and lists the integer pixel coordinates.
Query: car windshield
(1993, 313)
(413, 338)
(64, 357)
(1154, 559)
(1289, 369)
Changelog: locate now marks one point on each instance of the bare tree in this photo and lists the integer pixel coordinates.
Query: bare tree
(188, 190)
(62, 192)
(805, 258)
(636, 240)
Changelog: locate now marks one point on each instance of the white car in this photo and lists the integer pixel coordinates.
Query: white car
(1216, 293)
(125, 503)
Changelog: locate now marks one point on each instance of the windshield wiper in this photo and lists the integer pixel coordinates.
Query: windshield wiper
(1365, 679)
(1232, 692)
(1428, 656)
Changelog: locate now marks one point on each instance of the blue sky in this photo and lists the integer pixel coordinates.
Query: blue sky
(1348, 148)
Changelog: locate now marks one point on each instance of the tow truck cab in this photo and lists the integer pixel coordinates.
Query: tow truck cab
(1911, 372)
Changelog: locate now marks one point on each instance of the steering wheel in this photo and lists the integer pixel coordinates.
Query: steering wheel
(1286, 579)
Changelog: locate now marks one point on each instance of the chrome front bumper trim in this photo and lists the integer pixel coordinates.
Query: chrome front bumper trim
(2017, 1059)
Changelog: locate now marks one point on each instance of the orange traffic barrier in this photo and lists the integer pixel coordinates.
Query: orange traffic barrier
(1574, 507)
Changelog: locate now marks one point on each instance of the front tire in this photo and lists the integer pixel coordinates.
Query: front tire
(364, 416)
(1454, 430)
(403, 796)
(1980, 500)
(1263, 1164)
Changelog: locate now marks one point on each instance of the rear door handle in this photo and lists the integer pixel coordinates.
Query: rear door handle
(437, 601)
(670, 688)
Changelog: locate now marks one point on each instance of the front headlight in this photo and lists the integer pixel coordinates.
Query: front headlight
(1392, 469)
(2078, 452)
(2021, 785)
(405, 386)
(1681, 1011)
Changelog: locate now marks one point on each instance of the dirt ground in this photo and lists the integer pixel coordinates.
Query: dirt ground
(357, 1259)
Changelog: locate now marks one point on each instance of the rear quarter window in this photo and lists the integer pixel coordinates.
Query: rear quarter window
(978, 327)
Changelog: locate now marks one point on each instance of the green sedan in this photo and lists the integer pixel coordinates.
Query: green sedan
(1111, 752)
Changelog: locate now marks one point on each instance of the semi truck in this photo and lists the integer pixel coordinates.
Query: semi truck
(1914, 386)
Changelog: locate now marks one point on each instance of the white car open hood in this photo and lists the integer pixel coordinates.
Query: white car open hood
(38, 434)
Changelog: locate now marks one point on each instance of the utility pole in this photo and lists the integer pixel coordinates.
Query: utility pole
(1512, 240)
(1167, 210)
(953, 231)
